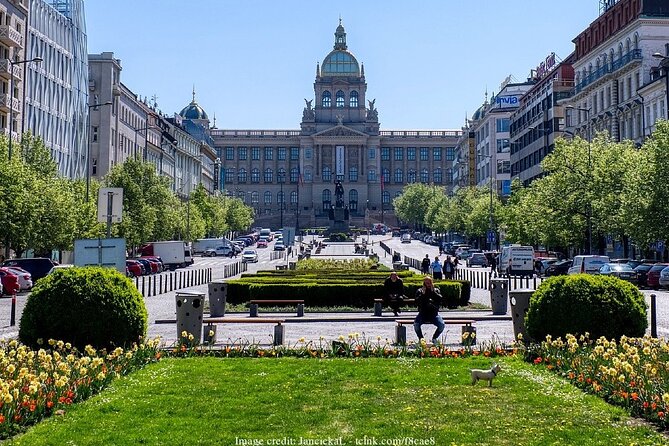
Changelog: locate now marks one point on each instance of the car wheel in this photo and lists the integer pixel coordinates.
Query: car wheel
(213, 254)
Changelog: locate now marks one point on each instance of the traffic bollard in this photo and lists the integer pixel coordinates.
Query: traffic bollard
(12, 317)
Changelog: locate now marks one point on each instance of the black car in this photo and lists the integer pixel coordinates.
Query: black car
(558, 268)
(642, 274)
(38, 267)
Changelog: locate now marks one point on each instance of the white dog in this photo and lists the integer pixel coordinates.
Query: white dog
(485, 375)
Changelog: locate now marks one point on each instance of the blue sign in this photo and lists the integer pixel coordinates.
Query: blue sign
(106, 252)
(491, 237)
(506, 187)
(659, 246)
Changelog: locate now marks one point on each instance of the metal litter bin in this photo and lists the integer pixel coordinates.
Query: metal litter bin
(520, 304)
(218, 291)
(190, 307)
(499, 295)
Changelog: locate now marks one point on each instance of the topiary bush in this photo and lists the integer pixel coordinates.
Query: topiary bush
(92, 305)
(600, 305)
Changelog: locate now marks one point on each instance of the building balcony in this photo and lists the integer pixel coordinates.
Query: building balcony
(10, 37)
(6, 101)
(6, 70)
(612, 67)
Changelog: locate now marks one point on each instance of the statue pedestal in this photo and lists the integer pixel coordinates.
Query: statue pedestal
(339, 214)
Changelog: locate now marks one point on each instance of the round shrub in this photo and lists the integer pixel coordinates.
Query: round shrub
(600, 305)
(92, 305)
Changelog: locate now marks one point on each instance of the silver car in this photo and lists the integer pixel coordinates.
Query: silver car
(25, 278)
(250, 255)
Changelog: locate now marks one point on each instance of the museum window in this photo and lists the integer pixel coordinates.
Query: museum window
(371, 175)
(327, 173)
(411, 176)
(424, 176)
(293, 197)
(229, 175)
(372, 153)
(294, 153)
(268, 197)
(399, 176)
(437, 176)
(353, 174)
(255, 176)
(385, 198)
(326, 198)
(281, 153)
(340, 99)
(280, 198)
(269, 175)
(424, 153)
(294, 175)
(385, 153)
(255, 197)
(450, 153)
(269, 154)
(242, 196)
(353, 200)
(411, 153)
(242, 153)
(255, 153)
(241, 177)
(399, 153)
(353, 100)
(229, 153)
(436, 154)
(327, 99)
(386, 175)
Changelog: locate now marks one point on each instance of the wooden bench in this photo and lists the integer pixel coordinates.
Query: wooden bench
(378, 305)
(253, 305)
(401, 330)
(279, 328)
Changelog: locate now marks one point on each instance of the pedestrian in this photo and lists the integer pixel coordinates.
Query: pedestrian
(537, 267)
(456, 262)
(436, 268)
(493, 264)
(393, 289)
(448, 268)
(428, 300)
(425, 265)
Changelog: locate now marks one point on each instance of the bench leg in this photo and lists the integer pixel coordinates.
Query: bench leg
(300, 310)
(207, 338)
(378, 308)
(471, 338)
(253, 310)
(400, 335)
(279, 332)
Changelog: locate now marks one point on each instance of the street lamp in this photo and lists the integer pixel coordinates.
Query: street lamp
(589, 210)
(664, 63)
(11, 96)
(88, 148)
(281, 177)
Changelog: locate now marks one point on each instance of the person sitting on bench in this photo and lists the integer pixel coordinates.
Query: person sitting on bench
(393, 289)
(428, 300)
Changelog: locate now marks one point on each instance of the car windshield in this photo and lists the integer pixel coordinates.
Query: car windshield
(250, 253)
(658, 267)
(620, 267)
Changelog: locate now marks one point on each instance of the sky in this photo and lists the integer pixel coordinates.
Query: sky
(428, 63)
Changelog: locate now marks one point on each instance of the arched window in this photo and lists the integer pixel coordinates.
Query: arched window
(437, 175)
(281, 197)
(353, 174)
(411, 176)
(255, 197)
(293, 197)
(353, 200)
(353, 100)
(371, 175)
(255, 175)
(386, 175)
(627, 45)
(242, 196)
(327, 197)
(340, 99)
(620, 50)
(636, 41)
(229, 175)
(268, 197)
(241, 176)
(327, 99)
(294, 175)
(424, 176)
(385, 198)
(281, 175)
(327, 173)
(269, 175)
(399, 175)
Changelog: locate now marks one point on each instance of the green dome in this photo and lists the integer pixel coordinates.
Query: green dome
(340, 63)
(193, 111)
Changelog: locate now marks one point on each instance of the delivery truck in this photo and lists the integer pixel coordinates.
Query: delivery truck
(174, 253)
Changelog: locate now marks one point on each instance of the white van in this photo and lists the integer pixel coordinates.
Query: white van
(587, 264)
(516, 260)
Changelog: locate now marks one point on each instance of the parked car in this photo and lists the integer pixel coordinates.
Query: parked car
(148, 268)
(588, 264)
(664, 278)
(38, 267)
(406, 238)
(545, 263)
(477, 259)
(279, 246)
(250, 255)
(25, 279)
(225, 251)
(642, 274)
(155, 261)
(619, 270)
(558, 268)
(10, 282)
(134, 268)
(653, 275)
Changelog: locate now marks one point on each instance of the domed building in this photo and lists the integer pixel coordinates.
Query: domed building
(288, 176)
(195, 113)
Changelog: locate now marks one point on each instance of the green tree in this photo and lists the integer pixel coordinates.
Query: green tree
(412, 205)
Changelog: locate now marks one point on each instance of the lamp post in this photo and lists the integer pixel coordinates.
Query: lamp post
(589, 209)
(88, 148)
(281, 177)
(11, 97)
(664, 63)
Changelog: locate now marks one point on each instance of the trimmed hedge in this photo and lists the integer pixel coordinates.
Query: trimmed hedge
(600, 305)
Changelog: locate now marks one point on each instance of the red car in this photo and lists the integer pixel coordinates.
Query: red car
(10, 282)
(134, 268)
(156, 263)
(653, 275)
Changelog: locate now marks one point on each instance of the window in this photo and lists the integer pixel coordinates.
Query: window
(340, 99)
(267, 197)
(411, 153)
(327, 99)
(307, 175)
(449, 175)
(436, 154)
(255, 175)
(450, 153)
(242, 196)
(386, 175)
(269, 154)
(293, 197)
(255, 197)
(503, 145)
(399, 153)
(437, 176)
(372, 153)
(353, 200)
(327, 173)
(242, 153)
(353, 174)
(294, 153)
(399, 175)
(326, 197)
(294, 175)
(353, 100)
(281, 153)
(229, 153)
(505, 166)
(385, 153)
(502, 125)
(281, 175)
(269, 175)
(255, 153)
(411, 176)
(280, 197)
(241, 177)
(371, 175)
(95, 133)
(229, 175)
(307, 153)
(424, 176)
(385, 198)
(424, 153)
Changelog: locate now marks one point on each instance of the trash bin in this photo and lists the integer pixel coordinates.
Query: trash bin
(520, 304)
(218, 292)
(292, 265)
(190, 307)
(499, 294)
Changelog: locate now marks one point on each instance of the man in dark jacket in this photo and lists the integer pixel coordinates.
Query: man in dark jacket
(393, 290)
(428, 300)
(425, 265)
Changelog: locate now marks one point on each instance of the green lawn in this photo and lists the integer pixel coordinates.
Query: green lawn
(235, 401)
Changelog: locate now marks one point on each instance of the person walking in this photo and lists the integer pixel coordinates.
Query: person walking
(393, 290)
(425, 265)
(493, 264)
(448, 268)
(436, 268)
(428, 300)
